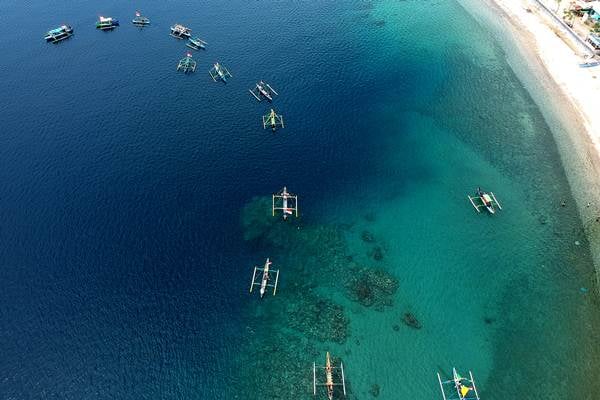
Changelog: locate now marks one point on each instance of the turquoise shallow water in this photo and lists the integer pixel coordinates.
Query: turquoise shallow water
(130, 222)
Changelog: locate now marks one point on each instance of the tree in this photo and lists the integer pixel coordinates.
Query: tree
(557, 4)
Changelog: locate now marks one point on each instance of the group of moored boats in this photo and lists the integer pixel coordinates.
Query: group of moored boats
(103, 23)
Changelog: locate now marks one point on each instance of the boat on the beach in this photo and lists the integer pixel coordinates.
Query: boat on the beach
(179, 31)
(485, 200)
(265, 278)
(58, 34)
(463, 387)
(589, 62)
(106, 23)
(329, 380)
(263, 89)
(140, 20)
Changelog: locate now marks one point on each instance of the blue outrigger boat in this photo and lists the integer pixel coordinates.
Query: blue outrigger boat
(58, 34)
(140, 20)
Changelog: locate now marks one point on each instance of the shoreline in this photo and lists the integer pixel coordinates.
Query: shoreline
(567, 95)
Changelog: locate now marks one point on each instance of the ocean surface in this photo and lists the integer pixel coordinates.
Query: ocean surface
(135, 201)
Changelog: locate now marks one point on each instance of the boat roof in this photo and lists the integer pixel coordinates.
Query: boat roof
(105, 19)
(58, 30)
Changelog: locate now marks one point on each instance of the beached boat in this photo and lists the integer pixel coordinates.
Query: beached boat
(140, 20)
(196, 43)
(179, 31)
(106, 23)
(61, 33)
(589, 62)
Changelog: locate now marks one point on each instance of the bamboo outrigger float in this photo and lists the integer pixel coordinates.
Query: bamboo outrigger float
(196, 43)
(285, 202)
(106, 23)
(187, 64)
(140, 20)
(179, 31)
(219, 72)
(485, 200)
(273, 120)
(458, 387)
(263, 89)
(265, 277)
(59, 34)
(329, 382)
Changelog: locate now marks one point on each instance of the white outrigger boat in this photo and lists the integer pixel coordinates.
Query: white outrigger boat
(265, 277)
(219, 72)
(329, 382)
(285, 202)
(263, 89)
(273, 120)
(464, 388)
(485, 200)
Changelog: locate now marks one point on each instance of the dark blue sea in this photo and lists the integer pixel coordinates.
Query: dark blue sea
(135, 201)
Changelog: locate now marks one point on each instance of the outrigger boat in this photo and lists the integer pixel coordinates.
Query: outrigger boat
(196, 43)
(285, 202)
(266, 276)
(329, 383)
(187, 64)
(139, 20)
(589, 61)
(219, 72)
(273, 120)
(263, 89)
(61, 33)
(486, 200)
(106, 23)
(179, 31)
(458, 387)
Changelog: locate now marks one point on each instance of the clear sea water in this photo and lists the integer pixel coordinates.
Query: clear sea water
(134, 203)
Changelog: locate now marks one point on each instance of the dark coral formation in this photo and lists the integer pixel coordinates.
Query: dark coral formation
(372, 287)
(367, 237)
(410, 320)
(319, 319)
(375, 389)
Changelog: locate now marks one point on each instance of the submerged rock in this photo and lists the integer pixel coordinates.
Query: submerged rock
(410, 320)
(372, 287)
(367, 237)
(374, 390)
(377, 253)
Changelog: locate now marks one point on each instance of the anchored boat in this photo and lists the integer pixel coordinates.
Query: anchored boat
(106, 23)
(273, 120)
(263, 89)
(58, 34)
(179, 31)
(196, 43)
(485, 200)
(219, 72)
(187, 64)
(140, 20)
(285, 202)
(265, 278)
(464, 388)
(329, 383)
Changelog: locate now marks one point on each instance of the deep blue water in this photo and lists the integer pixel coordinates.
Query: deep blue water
(124, 268)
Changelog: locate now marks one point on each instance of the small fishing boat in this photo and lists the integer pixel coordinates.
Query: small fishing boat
(179, 31)
(463, 387)
(329, 380)
(263, 89)
(196, 43)
(589, 62)
(106, 23)
(187, 64)
(219, 72)
(273, 120)
(140, 20)
(58, 34)
(265, 278)
(285, 202)
(485, 200)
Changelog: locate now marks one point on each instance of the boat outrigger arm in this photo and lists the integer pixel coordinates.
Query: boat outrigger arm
(464, 387)
(485, 200)
(265, 278)
(263, 89)
(329, 382)
(285, 202)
